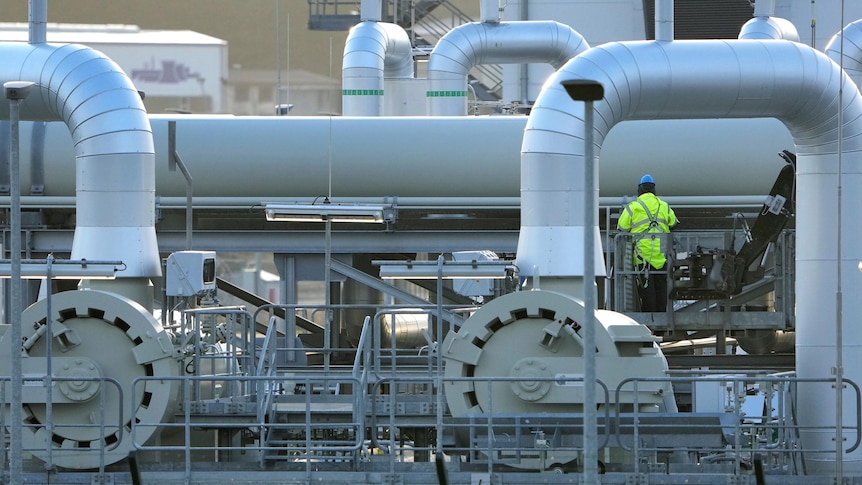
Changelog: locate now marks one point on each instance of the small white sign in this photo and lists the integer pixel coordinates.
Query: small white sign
(569, 380)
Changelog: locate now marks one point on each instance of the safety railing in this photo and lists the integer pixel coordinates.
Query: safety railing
(537, 440)
(690, 271)
(388, 342)
(738, 434)
(217, 341)
(723, 440)
(625, 275)
(382, 412)
(311, 424)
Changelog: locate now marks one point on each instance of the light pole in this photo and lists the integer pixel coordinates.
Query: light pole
(589, 91)
(16, 92)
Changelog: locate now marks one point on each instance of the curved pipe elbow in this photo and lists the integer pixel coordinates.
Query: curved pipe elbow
(114, 150)
(478, 43)
(851, 58)
(373, 52)
(769, 28)
(667, 80)
(661, 80)
(380, 46)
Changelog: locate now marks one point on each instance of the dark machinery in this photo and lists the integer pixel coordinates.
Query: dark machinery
(716, 274)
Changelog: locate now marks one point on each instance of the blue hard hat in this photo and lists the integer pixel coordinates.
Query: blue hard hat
(647, 179)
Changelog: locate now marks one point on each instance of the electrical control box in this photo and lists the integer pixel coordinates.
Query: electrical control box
(190, 273)
(473, 287)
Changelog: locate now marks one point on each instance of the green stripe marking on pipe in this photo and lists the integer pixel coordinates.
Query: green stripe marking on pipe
(445, 94)
(362, 92)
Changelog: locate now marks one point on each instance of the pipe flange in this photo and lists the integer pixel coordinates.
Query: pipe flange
(526, 370)
(85, 385)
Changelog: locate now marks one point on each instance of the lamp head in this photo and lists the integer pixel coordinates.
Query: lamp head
(17, 90)
(584, 89)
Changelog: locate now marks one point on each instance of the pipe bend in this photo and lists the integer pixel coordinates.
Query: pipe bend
(649, 80)
(114, 149)
(852, 55)
(471, 44)
(769, 28)
(373, 52)
(476, 43)
(381, 46)
(747, 79)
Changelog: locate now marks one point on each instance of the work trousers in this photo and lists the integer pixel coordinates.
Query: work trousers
(652, 288)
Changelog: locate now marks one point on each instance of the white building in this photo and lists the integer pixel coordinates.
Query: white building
(176, 69)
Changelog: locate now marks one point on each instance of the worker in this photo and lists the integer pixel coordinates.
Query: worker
(646, 218)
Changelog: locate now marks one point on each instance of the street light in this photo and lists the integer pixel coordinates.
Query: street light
(373, 214)
(16, 92)
(588, 91)
(426, 270)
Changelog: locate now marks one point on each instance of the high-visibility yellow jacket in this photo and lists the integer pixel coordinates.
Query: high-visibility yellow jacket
(645, 216)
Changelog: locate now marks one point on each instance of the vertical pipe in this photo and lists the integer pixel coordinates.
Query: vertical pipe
(490, 11)
(38, 21)
(764, 8)
(664, 20)
(371, 10)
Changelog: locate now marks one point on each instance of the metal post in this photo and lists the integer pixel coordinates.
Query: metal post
(439, 356)
(327, 296)
(175, 161)
(49, 371)
(15, 91)
(589, 91)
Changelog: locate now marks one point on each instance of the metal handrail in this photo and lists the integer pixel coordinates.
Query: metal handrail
(736, 379)
(490, 415)
(361, 361)
(244, 421)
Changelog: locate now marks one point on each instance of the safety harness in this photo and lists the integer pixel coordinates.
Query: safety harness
(653, 229)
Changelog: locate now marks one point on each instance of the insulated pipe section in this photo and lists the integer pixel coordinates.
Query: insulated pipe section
(373, 52)
(852, 55)
(113, 146)
(486, 148)
(744, 78)
(765, 25)
(477, 43)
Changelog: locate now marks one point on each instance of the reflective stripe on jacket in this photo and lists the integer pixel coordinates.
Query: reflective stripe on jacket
(636, 220)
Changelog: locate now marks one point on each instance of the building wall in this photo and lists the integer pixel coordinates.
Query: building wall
(262, 36)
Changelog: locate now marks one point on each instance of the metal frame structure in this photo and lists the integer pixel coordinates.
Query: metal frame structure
(270, 418)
